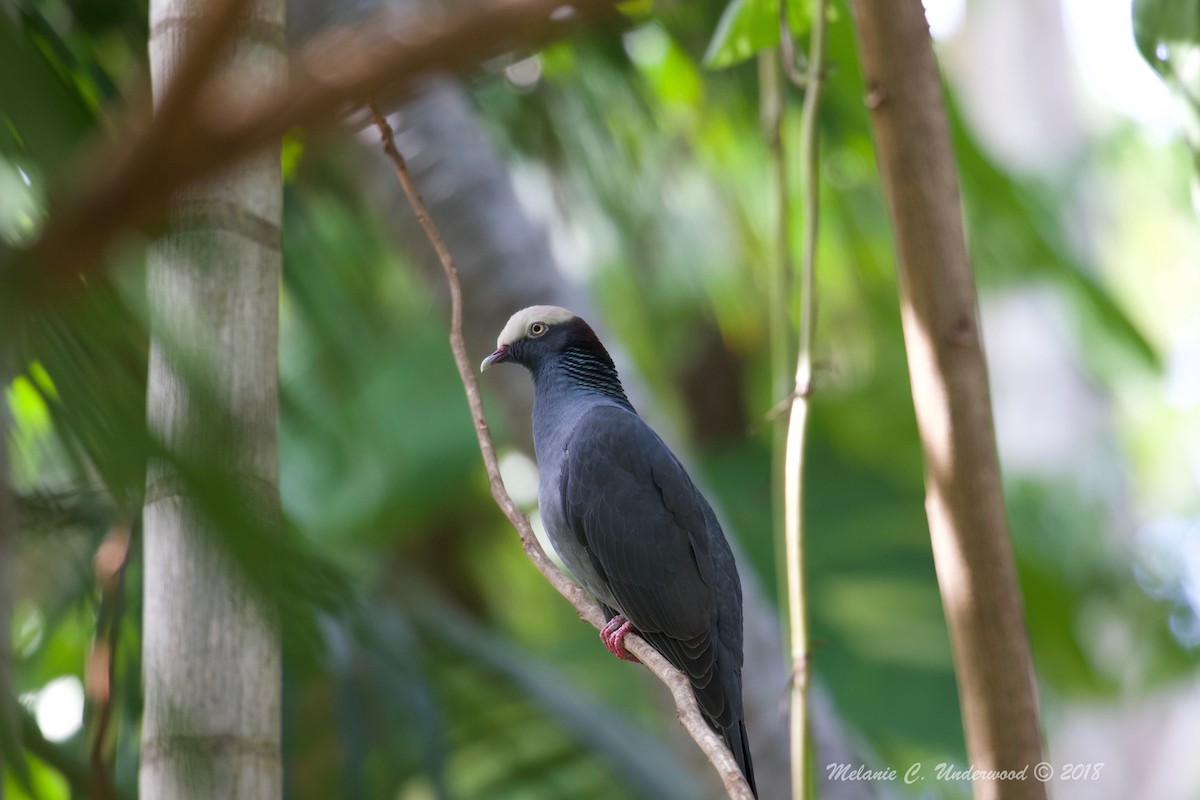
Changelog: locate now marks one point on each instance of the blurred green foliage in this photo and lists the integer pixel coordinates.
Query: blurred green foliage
(1167, 33)
(424, 657)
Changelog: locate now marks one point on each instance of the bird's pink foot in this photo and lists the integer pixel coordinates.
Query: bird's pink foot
(613, 636)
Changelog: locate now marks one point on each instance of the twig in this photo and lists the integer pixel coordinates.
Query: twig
(110, 561)
(772, 102)
(129, 184)
(213, 31)
(687, 710)
(772, 414)
(794, 462)
(793, 62)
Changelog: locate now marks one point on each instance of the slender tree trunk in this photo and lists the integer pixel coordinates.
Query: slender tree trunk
(211, 657)
(964, 498)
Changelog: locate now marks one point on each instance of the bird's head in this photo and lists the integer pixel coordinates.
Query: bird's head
(548, 340)
(534, 333)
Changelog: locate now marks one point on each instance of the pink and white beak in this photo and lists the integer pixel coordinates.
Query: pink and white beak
(498, 357)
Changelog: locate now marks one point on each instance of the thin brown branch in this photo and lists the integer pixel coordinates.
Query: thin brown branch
(968, 525)
(687, 710)
(111, 558)
(215, 28)
(127, 185)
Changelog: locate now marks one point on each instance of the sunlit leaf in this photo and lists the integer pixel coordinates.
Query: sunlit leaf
(1159, 25)
(636, 8)
(290, 154)
(1168, 35)
(747, 26)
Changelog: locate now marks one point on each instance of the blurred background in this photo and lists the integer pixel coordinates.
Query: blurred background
(627, 175)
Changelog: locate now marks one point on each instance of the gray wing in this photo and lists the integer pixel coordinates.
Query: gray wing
(653, 540)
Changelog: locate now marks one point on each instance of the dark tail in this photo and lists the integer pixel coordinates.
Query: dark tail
(739, 745)
(716, 678)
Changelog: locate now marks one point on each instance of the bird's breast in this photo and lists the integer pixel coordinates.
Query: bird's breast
(565, 541)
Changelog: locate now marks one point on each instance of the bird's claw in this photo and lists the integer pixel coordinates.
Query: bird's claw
(613, 636)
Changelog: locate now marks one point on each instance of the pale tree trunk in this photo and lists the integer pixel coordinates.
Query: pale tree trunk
(964, 497)
(211, 654)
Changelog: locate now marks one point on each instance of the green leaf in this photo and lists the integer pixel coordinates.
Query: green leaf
(641, 761)
(638, 9)
(291, 153)
(747, 26)
(1164, 22)
(1167, 33)
(42, 115)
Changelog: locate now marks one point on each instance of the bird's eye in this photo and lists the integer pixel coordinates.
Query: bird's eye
(537, 329)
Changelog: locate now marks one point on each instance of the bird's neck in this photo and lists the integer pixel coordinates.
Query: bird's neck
(582, 372)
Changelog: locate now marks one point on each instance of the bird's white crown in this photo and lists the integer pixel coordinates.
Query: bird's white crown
(518, 323)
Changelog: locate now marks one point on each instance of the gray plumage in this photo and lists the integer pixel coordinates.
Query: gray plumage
(625, 517)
